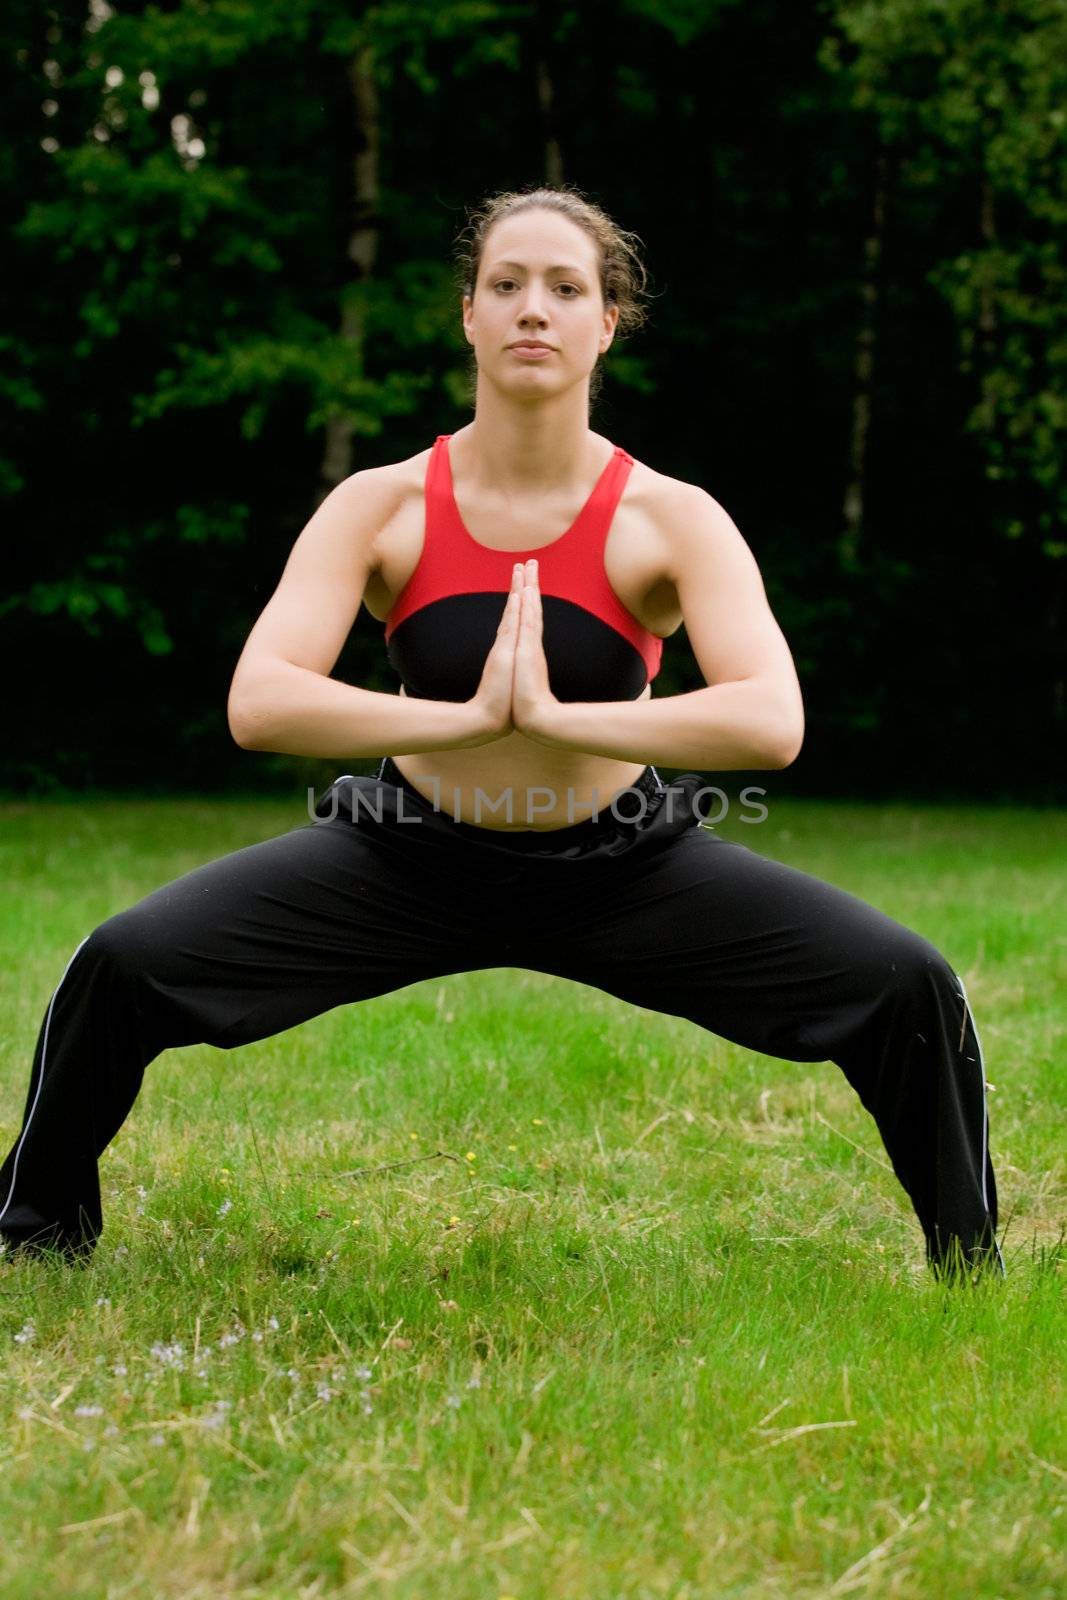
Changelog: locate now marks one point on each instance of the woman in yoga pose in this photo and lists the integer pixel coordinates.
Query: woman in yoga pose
(527, 571)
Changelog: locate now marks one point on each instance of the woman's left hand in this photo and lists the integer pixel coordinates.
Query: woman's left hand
(532, 700)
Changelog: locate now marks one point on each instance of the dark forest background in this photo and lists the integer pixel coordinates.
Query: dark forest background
(228, 235)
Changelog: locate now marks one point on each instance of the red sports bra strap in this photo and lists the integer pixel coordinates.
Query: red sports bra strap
(438, 464)
(444, 525)
(595, 518)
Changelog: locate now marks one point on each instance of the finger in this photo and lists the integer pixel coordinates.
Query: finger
(512, 604)
(531, 599)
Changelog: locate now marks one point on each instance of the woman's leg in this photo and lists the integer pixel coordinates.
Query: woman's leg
(783, 963)
(236, 950)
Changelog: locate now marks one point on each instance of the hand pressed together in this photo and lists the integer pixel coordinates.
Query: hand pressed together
(514, 690)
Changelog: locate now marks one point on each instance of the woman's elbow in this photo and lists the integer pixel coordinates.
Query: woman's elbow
(245, 727)
(791, 744)
(238, 732)
(788, 738)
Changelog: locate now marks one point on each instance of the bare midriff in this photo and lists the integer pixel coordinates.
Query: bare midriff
(522, 784)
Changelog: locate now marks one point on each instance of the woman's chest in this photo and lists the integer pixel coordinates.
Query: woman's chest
(635, 561)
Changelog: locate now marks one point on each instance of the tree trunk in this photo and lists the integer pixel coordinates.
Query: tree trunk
(987, 316)
(362, 251)
(853, 504)
(552, 159)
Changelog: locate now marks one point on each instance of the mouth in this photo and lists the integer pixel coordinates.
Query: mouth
(524, 349)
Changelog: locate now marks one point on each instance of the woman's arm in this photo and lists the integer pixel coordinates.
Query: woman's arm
(282, 697)
(751, 715)
(304, 713)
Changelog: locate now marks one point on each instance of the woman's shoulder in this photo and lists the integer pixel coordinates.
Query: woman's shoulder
(399, 476)
(390, 488)
(684, 525)
(662, 497)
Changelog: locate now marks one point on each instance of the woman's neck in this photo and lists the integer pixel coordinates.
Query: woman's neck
(529, 449)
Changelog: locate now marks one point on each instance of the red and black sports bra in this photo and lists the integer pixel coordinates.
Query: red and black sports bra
(443, 623)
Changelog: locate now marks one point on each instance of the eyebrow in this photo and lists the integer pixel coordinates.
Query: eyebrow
(517, 266)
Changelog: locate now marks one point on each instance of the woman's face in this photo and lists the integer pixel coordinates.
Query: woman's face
(539, 279)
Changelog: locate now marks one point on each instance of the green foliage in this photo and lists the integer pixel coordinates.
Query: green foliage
(88, 601)
(684, 20)
(183, 320)
(973, 96)
(255, 370)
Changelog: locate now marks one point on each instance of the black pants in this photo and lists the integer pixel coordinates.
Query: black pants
(383, 889)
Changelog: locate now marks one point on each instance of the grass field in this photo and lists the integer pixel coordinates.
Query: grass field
(625, 1311)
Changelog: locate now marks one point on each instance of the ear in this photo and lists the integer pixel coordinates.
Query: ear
(611, 319)
(468, 312)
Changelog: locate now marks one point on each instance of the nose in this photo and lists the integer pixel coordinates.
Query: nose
(532, 308)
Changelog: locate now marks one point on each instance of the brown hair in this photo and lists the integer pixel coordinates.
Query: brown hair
(623, 278)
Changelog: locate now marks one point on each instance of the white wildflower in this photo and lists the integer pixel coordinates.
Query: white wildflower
(169, 1355)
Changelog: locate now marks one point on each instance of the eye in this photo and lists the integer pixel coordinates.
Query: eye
(504, 282)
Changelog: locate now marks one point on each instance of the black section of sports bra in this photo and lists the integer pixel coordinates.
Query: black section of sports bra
(440, 650)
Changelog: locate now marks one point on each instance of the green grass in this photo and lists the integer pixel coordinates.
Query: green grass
(627, 1311)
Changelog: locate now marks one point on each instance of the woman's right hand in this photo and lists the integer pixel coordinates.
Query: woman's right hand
(493, 695)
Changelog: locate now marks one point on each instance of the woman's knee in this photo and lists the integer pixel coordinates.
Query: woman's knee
(914, 957)
(112, 939)
(901, 975)
(143, 976)
(123, 942)
(916, 977)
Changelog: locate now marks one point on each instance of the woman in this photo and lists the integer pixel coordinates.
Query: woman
(527, 571)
